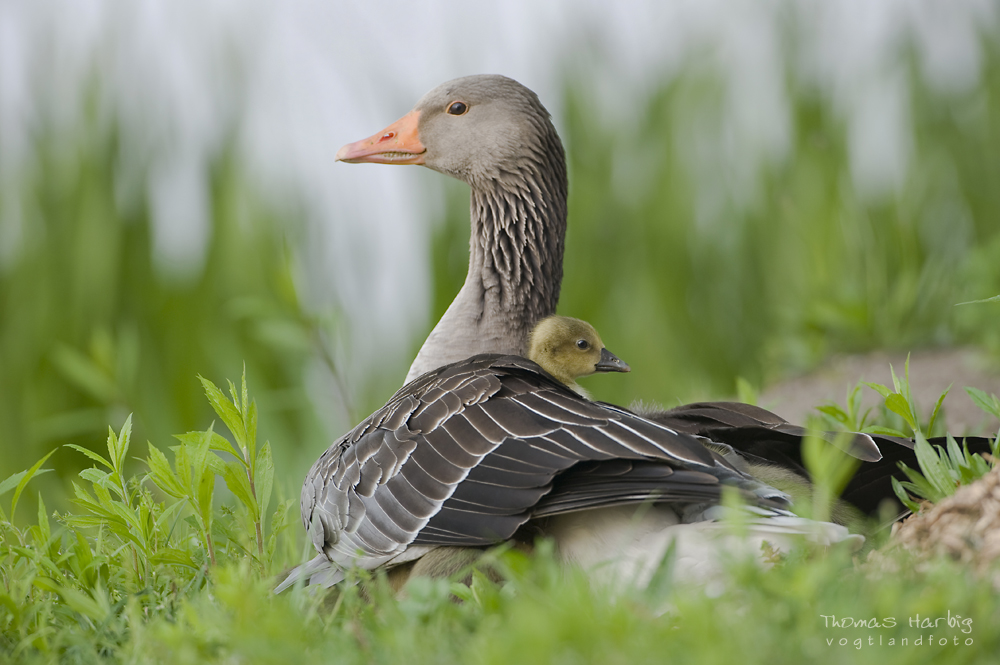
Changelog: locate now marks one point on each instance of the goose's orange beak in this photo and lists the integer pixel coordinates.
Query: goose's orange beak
(399, 143)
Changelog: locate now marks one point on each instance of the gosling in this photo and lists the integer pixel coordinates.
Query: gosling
(569, 349)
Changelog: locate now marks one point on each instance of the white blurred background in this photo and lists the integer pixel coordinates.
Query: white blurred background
(296, 80)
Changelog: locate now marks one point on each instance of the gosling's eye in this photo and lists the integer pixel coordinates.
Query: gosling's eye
(458, 108)
(582, 344)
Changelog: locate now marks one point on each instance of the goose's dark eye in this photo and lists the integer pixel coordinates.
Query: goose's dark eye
(458, 108)
(582, 344)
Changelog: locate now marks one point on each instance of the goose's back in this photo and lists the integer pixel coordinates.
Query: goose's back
(466, 454)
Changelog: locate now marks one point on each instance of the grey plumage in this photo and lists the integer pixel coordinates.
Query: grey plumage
(468, 453)
(506, 148)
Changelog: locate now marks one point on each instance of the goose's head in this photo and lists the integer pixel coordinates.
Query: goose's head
(472, 128)
(569, 348)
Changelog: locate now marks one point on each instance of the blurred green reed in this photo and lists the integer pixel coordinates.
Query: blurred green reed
(91, 330)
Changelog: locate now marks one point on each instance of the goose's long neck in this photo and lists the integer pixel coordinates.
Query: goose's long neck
(515, 264)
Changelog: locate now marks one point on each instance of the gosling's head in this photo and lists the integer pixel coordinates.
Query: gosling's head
(570, 348)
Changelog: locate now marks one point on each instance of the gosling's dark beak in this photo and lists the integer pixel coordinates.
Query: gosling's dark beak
(609, 362)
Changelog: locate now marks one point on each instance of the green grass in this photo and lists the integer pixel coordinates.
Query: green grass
(161, 568)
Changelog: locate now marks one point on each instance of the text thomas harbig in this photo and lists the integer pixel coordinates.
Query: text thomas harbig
(953, 621)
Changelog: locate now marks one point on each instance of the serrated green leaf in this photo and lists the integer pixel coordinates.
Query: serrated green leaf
(199, 453)
(122, 443)
(903, 497)
(937, 409)
(238, 483)
(251, 429)
(127, 515)
(171, 556)
(81, 603)
(206, 488)
(264, 478)
(112, 446)
(906, 385)
(28, 475)
(978, 466)
(919, 485)
(182, 467)
(957, 459)
(245, 399)
(95, 476)
(124, 533)
(84, 521)
(43, 522)
(232, 395)
(836, 413)
(82, 552)
(933, 469)
(91, 454)
(216, 464)
(103, 496)
(885, 431)
(114, 483)
(162, 474)
(987, 403)
(11, 482)
(168, 513)
(897, 404)
(895, 379)
(879, 388)
(80, 493)
(225, 409)
(218, 442)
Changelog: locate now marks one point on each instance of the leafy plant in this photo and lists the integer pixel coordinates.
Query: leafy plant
(249, 476)
(988, 403)
(849, 417)
(900, 401)
(943, 470)
(122, 547)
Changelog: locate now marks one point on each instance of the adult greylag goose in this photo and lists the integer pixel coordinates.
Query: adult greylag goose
(466, 454)
(494, 134)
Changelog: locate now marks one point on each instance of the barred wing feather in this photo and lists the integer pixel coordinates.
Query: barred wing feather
(466, 454)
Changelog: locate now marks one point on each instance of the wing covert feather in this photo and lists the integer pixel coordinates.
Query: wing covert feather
(466, 454)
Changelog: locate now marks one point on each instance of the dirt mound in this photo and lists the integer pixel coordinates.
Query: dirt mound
(964, 527)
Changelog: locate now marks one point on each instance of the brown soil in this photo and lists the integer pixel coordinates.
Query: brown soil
(964, 527)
